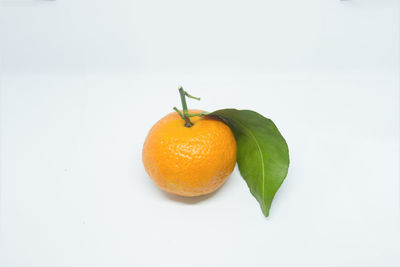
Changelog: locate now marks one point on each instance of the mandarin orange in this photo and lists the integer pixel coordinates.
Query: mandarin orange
(189, 161)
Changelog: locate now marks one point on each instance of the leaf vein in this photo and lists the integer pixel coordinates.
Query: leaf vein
(261, 155)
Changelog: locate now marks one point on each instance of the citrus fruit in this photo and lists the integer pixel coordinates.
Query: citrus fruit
(192, 152)
(189, 157)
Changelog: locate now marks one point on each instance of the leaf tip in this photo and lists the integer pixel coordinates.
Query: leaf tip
(265, 211)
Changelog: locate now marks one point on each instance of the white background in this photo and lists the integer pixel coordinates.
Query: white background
(82, 82)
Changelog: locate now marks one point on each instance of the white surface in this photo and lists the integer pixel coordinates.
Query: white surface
(81, 84)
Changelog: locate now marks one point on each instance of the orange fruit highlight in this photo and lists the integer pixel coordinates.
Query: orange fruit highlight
(189, 161)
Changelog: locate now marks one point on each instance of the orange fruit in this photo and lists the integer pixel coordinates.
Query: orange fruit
(189, 161)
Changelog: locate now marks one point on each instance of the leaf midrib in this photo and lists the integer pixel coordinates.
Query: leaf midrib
(261, 155)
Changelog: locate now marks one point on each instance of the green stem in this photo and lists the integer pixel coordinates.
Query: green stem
(183, 101)
(190, 96)
(186, 116)
(198, 114)
(179, 112)
(188, 123)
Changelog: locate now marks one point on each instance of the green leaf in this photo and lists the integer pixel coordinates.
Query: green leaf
(262, 153)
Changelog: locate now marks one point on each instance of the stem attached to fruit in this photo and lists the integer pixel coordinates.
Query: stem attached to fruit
(186, 115)
(182, 93)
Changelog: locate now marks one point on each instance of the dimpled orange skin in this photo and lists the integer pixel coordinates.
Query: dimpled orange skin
(189, 161)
